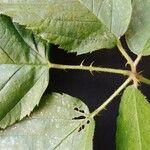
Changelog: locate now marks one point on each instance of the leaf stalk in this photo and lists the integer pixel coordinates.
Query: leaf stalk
(109, 100)
(143, 79)
(89, 68)
(125, 54)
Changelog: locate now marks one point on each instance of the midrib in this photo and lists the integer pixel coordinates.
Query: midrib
(26, 64)
(137, 123)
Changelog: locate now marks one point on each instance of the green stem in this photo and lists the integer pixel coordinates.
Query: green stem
(103, 106)
(143, 79)
(124, 53)
(137, 60)
(89, 68)
(134, 70)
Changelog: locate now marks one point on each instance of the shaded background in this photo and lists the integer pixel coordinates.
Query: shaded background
(93, 90)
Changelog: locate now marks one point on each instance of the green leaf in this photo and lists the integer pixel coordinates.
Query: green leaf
(138, 35)
(51, 127)
(133, 125)
(115, 14)
(67, 23)
(24, 71)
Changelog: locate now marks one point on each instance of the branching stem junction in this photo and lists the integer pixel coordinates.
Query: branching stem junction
(132, 74)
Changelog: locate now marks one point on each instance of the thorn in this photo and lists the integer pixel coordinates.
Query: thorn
(65, 70)
(119, 94)
(91, 65)
(127, 64)
(104, 108)
(82, 62)
(99, 114)
(139, 73)
(91, 73)
(139, 83)
(29, 116)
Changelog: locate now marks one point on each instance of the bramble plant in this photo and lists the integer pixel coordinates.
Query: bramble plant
(27, 30)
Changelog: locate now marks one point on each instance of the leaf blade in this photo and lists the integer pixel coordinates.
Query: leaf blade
(22, 71)
(138, 36)
(50, 127)
(66, 23)
(115, 14)
(133, 121)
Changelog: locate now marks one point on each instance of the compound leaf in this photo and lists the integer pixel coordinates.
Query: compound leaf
(24, 71)
(133, 125)
(115, 14)
(67, 23)
(51, 127)
(138, 35)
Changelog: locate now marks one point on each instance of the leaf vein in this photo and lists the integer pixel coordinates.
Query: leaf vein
(11, 77)
(137, 122)
(22, 97)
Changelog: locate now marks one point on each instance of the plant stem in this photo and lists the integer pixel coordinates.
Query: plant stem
(89, 68)
(124, 53)
(134, 70)
(137, 60)
(143, 79)
(103, 106)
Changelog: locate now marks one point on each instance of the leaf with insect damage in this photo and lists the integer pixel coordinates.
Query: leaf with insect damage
(57, 124)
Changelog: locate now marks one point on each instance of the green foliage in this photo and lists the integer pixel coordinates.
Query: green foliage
(24, 71)
(77, 26)
(51, 127)
(115, 14)
(133, 121)
(138, 35)
(66, 23)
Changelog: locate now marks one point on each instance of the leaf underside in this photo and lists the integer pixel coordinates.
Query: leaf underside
(51, 127)
(78, 26)
(85, 25)
(115, 14)
(138, 34)
(66, 23)
(24, 72)
(133, 124)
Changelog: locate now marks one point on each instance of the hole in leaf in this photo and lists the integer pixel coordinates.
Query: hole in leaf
(88, 122)
(79, 110)
(81, 128)
(82, 111)
(76, 109)
(80, 117)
